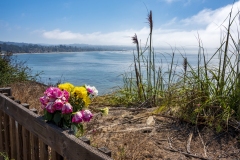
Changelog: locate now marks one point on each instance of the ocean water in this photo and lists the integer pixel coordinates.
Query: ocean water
(102, 69)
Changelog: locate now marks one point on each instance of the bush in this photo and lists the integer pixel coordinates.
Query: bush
(12, 70)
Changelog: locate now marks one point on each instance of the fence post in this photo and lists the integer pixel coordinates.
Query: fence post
(19, 139)
(13, 138)
(34, 147)
(56, 156)
(43, 150)
(86, 140)
(34, 143)
(6, 134)
(6, 90)
(2, 143)
(106, 151)
(26, 139)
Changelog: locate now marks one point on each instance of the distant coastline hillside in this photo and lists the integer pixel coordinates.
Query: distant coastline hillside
(40, 48)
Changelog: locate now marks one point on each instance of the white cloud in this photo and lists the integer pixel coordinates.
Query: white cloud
(210, 22)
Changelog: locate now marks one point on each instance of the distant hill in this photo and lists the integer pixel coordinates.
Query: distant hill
(16, 47)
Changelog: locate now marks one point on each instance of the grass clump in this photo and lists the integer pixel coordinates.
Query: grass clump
(13, 71)
(204, 93)
(4, 155)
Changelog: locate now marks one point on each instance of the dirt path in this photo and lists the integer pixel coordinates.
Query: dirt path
(137, 134)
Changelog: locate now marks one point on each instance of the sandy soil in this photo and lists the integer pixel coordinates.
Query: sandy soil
(135, 133)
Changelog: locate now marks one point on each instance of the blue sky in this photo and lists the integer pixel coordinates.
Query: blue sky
(113, 22)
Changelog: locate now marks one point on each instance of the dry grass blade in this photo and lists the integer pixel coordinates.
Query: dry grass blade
(189, 142)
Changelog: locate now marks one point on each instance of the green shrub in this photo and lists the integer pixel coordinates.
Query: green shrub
(13, 71)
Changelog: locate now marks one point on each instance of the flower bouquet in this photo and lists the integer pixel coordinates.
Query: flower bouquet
(67, 105)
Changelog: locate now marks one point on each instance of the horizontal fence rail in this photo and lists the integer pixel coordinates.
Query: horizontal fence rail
(24, 135)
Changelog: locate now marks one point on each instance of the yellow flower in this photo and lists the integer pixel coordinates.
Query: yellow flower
(79, 92)
(66, 86)
(87, 101)
(104, 111)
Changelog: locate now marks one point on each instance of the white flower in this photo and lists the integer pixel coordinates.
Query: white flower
(92, 90)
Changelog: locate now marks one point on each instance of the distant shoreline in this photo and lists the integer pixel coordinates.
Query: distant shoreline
(38, 48)
(72, 52)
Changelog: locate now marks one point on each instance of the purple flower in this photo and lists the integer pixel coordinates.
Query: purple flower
(58, 104)
(87, 115)
(50, 108)
(78, 117)
(67, 108)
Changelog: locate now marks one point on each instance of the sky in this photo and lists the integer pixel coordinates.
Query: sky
(176, 23)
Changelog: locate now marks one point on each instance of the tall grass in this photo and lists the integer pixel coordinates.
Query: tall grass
(203, 93)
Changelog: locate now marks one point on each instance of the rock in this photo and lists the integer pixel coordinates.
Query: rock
(150, 121)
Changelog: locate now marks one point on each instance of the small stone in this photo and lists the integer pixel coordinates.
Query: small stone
(150, 121)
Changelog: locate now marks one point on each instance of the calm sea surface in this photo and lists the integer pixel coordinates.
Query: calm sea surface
(100, 69)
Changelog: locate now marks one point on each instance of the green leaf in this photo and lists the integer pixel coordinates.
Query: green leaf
(74, 128)
(48, 116)
(57, 117)
(80, 128)
(66, 117)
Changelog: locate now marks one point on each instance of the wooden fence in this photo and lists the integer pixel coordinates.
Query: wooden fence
(24, 135)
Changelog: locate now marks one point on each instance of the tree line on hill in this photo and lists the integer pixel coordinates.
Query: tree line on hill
(37, 48)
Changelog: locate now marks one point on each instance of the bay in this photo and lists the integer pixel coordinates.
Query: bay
(102, 69)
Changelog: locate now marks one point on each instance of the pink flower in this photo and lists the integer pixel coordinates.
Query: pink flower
(58, 104)
(87, 115)
(78, 117)
(50, 108)
(57, 93)
(43, 106)
(48, 92)
(44, 100)
(66, 96)
(67, 108)
(53, 92)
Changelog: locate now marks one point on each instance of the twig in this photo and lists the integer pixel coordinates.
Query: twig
(185, 153)
(204, 146)
(134, 130)
(189, 142)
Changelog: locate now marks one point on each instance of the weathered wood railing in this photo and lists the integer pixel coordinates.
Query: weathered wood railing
(24, 135)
